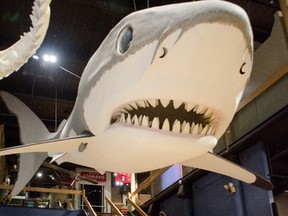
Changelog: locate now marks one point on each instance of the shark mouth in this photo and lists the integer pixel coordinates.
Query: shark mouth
(167, 115)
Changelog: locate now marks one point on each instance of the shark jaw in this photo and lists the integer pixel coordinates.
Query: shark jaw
(167, 115)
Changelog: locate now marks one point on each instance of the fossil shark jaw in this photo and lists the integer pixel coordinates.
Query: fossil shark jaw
(12, 58)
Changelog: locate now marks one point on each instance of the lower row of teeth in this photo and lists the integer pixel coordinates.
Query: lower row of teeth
(177, 126)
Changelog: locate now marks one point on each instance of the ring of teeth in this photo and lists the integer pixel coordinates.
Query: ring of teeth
(168, 115)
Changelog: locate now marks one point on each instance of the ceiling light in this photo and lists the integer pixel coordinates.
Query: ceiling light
(39, 174)
(35, 57)
(53, 59)
(46, 58)
(49, 58)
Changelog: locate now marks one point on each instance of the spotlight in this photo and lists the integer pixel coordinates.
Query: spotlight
(35, 57)
(230, 188)
(49, 58)
(53, 59)
(39, 174)
(46, 58)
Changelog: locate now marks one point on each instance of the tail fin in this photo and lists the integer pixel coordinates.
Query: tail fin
(220, 165)
(32, 130)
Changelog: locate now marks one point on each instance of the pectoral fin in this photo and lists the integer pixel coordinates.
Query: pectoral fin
(72, 144)
(220, 165)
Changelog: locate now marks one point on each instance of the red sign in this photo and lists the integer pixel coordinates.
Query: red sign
(94, 176)
(122, 178)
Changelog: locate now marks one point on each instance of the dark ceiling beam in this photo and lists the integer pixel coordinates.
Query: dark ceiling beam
(113, 5)
(282, 154)
(268, 3)
(260, 35)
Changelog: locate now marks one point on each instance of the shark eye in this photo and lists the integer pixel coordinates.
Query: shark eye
(124, 40)
(241, 69)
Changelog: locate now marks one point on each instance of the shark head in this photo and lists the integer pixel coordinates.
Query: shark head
(166, 81)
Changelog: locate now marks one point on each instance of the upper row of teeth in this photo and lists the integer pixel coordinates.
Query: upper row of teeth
(164, 102)
(184, 128)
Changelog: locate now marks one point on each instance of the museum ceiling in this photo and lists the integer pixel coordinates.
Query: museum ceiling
(77, 28)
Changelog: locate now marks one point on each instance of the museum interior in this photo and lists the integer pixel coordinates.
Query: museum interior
(47, 83)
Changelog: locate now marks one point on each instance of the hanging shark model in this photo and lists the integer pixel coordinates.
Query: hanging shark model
(12, 58)
(161, 89)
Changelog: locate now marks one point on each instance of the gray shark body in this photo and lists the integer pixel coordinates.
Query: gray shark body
(161, 89)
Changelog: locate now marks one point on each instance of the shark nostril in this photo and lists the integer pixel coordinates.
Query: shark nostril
(164, 52)
(241, 69)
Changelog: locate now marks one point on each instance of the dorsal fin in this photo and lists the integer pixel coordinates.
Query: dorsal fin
(36, 131)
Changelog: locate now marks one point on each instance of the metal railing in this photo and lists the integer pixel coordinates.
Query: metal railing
(55, 190)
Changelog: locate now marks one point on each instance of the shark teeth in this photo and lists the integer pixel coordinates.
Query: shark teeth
(168, 115)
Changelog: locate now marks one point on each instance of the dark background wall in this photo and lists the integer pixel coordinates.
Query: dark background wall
(210, 198)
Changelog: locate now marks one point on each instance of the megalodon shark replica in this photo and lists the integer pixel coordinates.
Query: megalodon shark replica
(161, 89)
